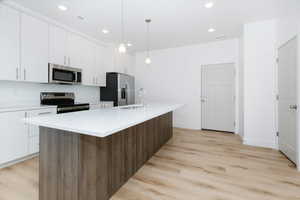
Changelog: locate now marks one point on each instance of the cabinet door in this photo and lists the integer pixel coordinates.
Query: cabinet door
(100, 66)
(57, 45)
(34, 132)
(34, 49)
(88, 63)
(122, 63)
(74, 50)
(13, 136)
(107, 63)
(9, 43)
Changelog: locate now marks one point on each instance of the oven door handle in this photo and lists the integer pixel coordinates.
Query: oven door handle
(70, 109)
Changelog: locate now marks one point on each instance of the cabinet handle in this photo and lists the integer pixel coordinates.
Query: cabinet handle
(69, 60)
(65, 60)
(24, 74)
(44, 113)
(17, 73)
(96, 80)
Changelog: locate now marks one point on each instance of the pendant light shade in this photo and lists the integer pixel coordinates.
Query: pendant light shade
(148, 59)
(122, 46)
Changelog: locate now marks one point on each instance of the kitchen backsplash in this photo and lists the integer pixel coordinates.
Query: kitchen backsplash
(20, 93)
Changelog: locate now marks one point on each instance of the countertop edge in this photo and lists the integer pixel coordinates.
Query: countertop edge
(108, 133)
(25, 108)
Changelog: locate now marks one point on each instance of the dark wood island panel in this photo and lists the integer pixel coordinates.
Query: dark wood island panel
(80, 167)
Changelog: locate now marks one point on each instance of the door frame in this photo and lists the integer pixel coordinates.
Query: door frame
(236, 93)
(298, 96)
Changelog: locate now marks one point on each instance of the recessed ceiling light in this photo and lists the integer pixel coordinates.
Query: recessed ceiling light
(209, 4)
(62, 7)
(80, 17)
(221, 37)
(129, 44)
(105, 31)
(211, 30)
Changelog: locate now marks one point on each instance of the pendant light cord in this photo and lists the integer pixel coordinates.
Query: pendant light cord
(148, 36)
(122, 21)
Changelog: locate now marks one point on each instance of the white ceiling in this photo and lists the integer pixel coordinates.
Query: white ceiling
(175, 22)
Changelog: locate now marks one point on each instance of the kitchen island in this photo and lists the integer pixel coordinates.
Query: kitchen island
(89, 155)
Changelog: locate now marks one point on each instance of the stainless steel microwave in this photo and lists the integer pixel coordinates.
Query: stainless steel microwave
(64, 75)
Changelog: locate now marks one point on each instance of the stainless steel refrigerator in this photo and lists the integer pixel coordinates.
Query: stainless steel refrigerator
(119, 89)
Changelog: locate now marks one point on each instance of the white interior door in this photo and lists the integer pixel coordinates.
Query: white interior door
(287, 105)
(218, 102)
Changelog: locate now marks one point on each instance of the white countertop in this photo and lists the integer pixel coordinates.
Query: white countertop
(102, 122)
(14, 108)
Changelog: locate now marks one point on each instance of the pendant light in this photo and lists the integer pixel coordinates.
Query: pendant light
(122, 46)
(148, 59)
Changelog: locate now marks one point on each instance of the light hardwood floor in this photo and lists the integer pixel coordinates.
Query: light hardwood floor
(194, 165)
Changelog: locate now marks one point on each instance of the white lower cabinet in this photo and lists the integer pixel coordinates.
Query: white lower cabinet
(34, 132)
(13, 136)
(17, 139)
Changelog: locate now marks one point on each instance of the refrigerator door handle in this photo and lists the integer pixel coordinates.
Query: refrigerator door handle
(126, 94)
(123, 93)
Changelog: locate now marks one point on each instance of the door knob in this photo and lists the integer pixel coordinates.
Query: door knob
(293, 107)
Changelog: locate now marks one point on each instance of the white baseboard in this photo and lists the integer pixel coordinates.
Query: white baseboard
(260, 143)
(8, 164)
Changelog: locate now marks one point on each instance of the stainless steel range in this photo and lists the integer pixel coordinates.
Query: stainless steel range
(65, 102)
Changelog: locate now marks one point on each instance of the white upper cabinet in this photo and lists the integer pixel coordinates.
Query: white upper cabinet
(104, 63)
(34, 49)
(28, 44)
(58, 45)
(9, 43)
(88, 63)
(109, 59)
(100, 66)
(122, 63)
(93, 66)
(74, 50)
(66, 48)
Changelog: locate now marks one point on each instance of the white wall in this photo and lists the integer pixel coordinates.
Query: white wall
(18, 93)
(260, 84)
(175, 76)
